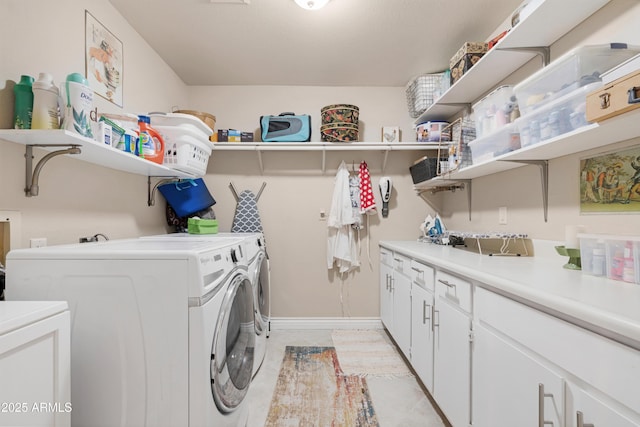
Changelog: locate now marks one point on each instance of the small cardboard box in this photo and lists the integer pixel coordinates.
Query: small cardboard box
(246, 136)
(223, 135)
(465, 58)
(234, 135)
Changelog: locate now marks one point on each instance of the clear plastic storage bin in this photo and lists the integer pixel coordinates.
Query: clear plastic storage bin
(502, 141)
(616, 257)
(494, 110)
(577, 68)
(563, 115)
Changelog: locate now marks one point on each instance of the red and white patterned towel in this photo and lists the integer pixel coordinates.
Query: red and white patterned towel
(367, 200)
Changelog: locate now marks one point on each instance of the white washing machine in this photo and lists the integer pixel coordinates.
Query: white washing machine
(256, 260)
(162, 332)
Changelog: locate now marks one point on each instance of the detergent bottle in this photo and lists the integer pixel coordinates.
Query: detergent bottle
(150, 141)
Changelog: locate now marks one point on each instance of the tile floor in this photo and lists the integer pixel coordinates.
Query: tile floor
(398, 402)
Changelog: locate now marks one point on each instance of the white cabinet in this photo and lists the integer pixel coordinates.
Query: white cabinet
(422, 310)
(386, 292)
(584, 409)
(510, 387)
(401, 285)
(452, 348)
(35, 363)
(517, 348)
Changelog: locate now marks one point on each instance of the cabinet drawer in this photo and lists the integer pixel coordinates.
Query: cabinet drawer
(386, 257)
(603, 363)
(456, 290)
(402, 264)
(422, 275)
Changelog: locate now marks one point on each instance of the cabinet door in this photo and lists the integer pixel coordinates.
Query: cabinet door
(386, 296)
(510, 387)
(583, 409)
(452, 364)
(402, 312)
(422, 335)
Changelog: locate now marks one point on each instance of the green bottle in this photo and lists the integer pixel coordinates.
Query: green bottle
(24, 103)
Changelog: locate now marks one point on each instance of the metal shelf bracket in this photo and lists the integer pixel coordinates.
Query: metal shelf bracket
(542, 51)
(151, 191)
(32, 175)
(544, 181)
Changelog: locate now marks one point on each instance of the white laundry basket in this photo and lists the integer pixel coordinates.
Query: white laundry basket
(184, 150)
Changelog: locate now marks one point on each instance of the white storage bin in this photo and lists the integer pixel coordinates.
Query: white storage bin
(186, 122)
(185, 149)
(494, 110)
(577, 68)
(621, 253)
(502, 141)
(563, 115)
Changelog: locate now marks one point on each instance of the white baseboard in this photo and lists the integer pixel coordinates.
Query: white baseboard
(280, 323)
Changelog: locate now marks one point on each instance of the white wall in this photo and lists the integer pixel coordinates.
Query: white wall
(76, 198)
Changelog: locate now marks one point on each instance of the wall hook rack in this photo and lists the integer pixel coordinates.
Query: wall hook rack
(151, 191)
(32, 175)
(459, 184)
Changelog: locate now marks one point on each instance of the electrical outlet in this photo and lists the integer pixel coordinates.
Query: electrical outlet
(37, 242)
(502, 215)
(323, 215)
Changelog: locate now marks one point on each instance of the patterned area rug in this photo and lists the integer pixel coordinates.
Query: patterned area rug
(312, 391)
(368, 353)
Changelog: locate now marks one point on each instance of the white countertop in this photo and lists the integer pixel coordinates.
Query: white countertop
(608, 307)
(17, 314)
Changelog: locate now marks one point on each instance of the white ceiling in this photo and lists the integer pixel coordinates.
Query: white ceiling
(275, 42)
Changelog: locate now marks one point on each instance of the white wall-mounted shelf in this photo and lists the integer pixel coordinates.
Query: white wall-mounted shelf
(549, 21)
(91, 151)
(323, 147)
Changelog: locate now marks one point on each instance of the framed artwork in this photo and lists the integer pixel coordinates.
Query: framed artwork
(610, 183)
(390, 134)
(103, 60)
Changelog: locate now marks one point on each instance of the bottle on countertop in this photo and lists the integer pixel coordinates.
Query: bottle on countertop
(23, 107)
(46, 112)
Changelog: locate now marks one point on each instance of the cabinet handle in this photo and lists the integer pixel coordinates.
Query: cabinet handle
(447, 284)
(435, 323)
(387, 281)
(399, 262)
(580, 420)
(424, 312)
(541, 396)
(391, 280)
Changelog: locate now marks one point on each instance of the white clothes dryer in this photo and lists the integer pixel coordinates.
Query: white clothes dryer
(254, 256)
(162, 331)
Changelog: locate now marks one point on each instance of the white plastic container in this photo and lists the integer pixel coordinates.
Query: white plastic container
(504, 140)
(494, 110)
(621, 255)
(46, 109)
(185, 149)
(196, 127)
(577, 68)
(77, 99)
(564, 114)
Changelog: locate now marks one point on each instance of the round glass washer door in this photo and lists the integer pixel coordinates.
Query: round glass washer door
(263, 307)
(232, 353)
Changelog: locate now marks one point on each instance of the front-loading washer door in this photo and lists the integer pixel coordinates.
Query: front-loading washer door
(263, 304)
(232, 354)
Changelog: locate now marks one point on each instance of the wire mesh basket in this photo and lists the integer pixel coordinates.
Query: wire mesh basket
(457, 150)
(422, 91)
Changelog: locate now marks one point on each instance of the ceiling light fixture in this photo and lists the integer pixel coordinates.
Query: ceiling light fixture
(312, 4)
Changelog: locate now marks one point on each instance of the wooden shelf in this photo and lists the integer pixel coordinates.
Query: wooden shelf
(555, 17)
(91, 151)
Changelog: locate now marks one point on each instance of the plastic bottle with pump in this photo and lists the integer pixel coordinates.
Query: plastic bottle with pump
(150, 142)
(23, 103)
(46, 112)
